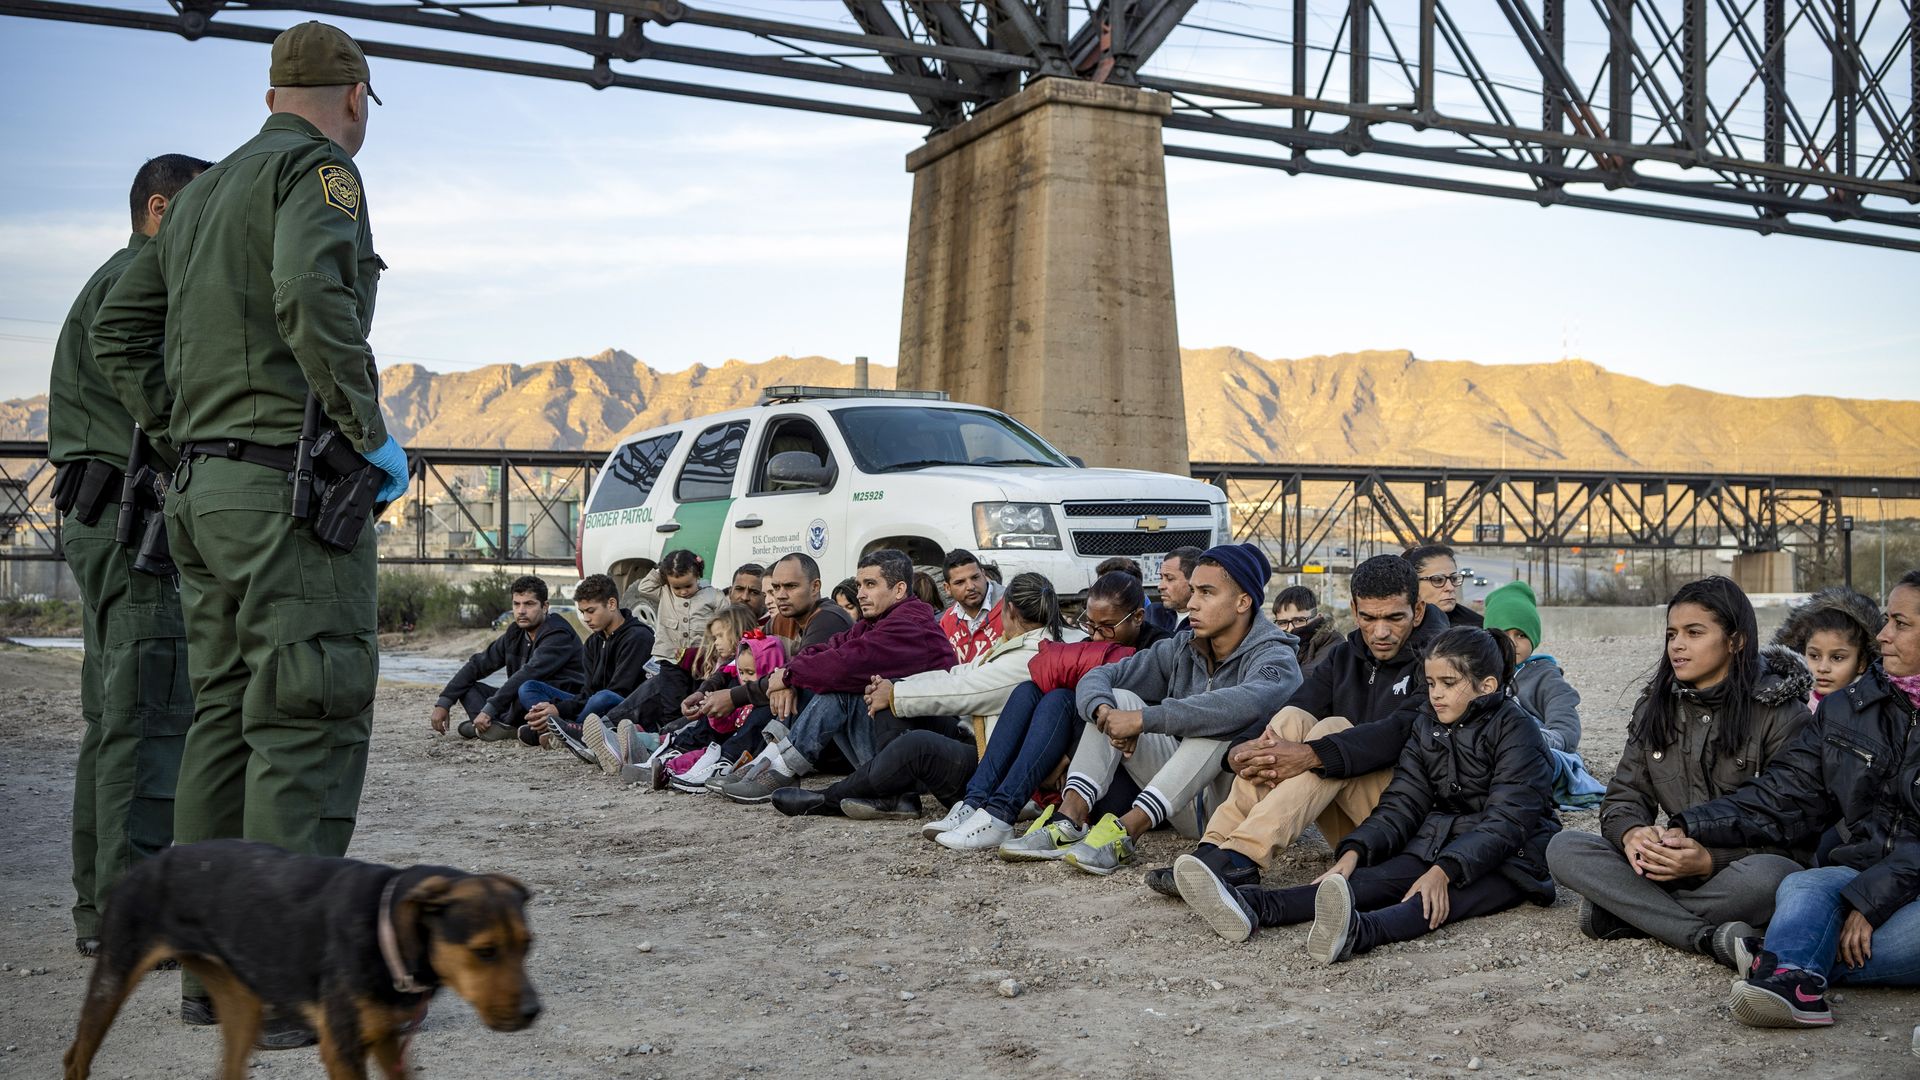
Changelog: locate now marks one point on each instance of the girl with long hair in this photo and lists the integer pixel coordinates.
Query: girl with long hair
(1717, 710)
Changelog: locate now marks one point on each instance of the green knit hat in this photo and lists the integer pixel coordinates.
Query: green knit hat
(1513, 607)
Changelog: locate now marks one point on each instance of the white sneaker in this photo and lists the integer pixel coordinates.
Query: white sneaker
(721, 770)
(981, 832)
(702, 769)
(956, 814)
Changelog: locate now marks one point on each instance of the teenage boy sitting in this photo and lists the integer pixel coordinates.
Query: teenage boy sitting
(1328, 755)
(1165, 713)
(616, 662)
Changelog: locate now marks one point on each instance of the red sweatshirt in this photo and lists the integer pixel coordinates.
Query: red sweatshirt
(904, 641)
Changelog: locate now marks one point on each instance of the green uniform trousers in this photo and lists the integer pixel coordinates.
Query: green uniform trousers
(283, 663)
(134, 699)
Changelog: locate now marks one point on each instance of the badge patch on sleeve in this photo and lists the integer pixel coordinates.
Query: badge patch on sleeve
(340, 189)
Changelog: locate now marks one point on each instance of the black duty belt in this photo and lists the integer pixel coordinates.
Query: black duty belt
(280, 458)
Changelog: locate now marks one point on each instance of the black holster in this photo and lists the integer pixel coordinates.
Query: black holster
(154, 557)
(348, 486)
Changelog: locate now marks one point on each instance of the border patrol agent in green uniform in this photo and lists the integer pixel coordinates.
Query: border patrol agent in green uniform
(262, 288)
(133, 680)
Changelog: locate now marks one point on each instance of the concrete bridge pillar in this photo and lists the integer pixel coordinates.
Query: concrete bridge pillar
(1040, 273)
(1764, 571)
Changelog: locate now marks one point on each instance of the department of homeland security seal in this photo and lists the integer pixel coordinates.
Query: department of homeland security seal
(340, 190)
(817, 536)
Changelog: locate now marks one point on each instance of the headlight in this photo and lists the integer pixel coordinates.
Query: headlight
(1015, 525)
(1222, 524)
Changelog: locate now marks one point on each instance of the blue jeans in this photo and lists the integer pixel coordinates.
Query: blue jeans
(533, 692)
(1805, 931)
(834, 720)
(1028, 741)
(599, 703)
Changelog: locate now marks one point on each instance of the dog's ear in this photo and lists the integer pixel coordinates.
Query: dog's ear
(429, 893)
(525, 894)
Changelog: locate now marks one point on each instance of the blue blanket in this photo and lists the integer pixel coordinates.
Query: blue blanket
(1574, 788)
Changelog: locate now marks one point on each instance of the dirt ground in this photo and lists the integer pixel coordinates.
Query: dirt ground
(682, 936)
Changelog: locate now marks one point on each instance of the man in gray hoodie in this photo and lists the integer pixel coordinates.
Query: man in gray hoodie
(1166, 712)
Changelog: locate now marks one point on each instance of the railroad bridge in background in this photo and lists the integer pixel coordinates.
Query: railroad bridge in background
(1040, 189)
(522, 508)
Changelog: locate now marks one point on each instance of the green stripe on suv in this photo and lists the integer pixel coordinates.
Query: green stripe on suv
(700, 525)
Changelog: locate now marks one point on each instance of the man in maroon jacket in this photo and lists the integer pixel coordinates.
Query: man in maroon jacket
(897, 635)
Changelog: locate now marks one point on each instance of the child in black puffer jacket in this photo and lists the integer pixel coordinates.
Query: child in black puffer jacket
(1461, 831)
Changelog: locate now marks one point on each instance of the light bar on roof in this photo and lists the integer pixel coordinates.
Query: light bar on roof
(775, 394)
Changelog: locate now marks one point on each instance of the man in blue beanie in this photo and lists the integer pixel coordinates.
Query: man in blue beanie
(1165, 714)
(1327, 756)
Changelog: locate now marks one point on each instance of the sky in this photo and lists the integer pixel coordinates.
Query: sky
(525, 220)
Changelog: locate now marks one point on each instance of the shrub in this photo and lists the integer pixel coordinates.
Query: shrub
(412, 600)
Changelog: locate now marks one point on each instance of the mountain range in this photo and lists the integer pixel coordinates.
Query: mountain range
(1375, 407)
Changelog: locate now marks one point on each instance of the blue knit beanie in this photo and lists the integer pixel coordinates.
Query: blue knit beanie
(1247, 565)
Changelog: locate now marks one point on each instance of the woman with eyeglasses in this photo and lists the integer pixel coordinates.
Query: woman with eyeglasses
(1441, 582)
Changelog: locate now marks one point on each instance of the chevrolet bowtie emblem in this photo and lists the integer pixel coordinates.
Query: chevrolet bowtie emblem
(1150, 523)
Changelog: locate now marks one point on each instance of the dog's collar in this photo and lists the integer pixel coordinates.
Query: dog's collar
(403, 979)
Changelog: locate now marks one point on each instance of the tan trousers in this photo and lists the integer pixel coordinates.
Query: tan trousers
(1260, 819)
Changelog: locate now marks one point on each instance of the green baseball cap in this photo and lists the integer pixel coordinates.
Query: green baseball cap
(316, 54)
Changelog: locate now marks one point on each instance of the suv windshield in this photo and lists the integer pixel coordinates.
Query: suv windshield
(895, 438)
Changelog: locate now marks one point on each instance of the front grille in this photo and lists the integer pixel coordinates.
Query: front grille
(1100, 545)
(1138, 509)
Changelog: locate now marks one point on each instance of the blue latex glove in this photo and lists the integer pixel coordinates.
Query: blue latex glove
(392, 460)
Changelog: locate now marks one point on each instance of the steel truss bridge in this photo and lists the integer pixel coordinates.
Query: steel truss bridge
(1304, 514)
(519, 508)
(1778, 116)
(463, 508)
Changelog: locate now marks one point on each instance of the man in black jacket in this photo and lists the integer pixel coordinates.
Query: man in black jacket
(539, 645)
(1328, 754)
(1851, 775)
(616, 661)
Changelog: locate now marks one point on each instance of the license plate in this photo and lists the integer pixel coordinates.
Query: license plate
(1150, 566)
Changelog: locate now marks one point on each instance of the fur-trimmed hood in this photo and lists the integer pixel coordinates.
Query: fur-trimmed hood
(1857, 608)
(1783, 677)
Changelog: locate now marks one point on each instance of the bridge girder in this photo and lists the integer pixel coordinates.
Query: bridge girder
(1795, 117)
(1301, 513)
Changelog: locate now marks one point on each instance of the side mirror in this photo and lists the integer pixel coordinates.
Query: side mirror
(1078, 462)
(798, 469)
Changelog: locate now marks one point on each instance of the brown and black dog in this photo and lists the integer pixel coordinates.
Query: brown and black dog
(354, 949)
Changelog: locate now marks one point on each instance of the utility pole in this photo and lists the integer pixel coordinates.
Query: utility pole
(1883, 543)
(1846, 549)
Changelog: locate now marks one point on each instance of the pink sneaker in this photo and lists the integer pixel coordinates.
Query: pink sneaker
(692, 762)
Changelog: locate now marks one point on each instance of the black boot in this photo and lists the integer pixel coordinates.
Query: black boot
(279, 1032)
(197, 1012)
(800, 802)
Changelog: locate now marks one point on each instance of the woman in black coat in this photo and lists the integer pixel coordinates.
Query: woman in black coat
(1852, 774)
(1461, 831)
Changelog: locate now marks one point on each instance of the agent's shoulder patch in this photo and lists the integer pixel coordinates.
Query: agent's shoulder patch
(341, 189)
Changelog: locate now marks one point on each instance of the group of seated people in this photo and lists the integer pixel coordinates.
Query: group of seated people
(1765, 812)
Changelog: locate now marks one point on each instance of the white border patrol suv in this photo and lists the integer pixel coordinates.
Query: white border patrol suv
(838, 473)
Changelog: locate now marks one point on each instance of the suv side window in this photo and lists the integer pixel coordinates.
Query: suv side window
(785, 434)
(708, 473)
(629, 479)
